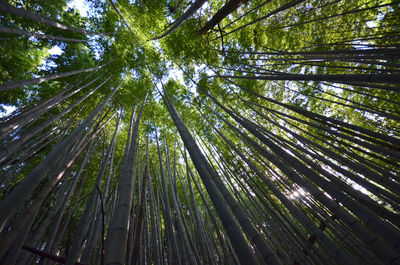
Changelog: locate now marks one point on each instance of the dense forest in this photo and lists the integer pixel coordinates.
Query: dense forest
(200, 132)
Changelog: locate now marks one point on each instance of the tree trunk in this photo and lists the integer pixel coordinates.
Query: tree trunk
(243, 251)
(8, 30)
(116, 240)
(140, 216)
(12, 84)
(228, 8)
(191, 10)
(384, 228)
(14, 146)
(167, 214)
(14, 200)
(5, 7)
(27, 116)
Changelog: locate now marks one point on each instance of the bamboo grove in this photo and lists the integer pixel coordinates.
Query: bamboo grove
(200, 132)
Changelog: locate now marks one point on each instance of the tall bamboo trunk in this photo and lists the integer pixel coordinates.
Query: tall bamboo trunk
(5, 7)
(27, 115)
(115, 252)
(15, 84)
(177, 23)
(8, 30)
(243, 251)
(26, 135)
(384, 251)
(167, 214)
(14, 200)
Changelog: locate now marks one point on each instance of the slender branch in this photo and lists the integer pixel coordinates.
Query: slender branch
(48, 255)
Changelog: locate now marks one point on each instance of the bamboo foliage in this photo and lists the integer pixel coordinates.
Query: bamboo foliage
(280, 145)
